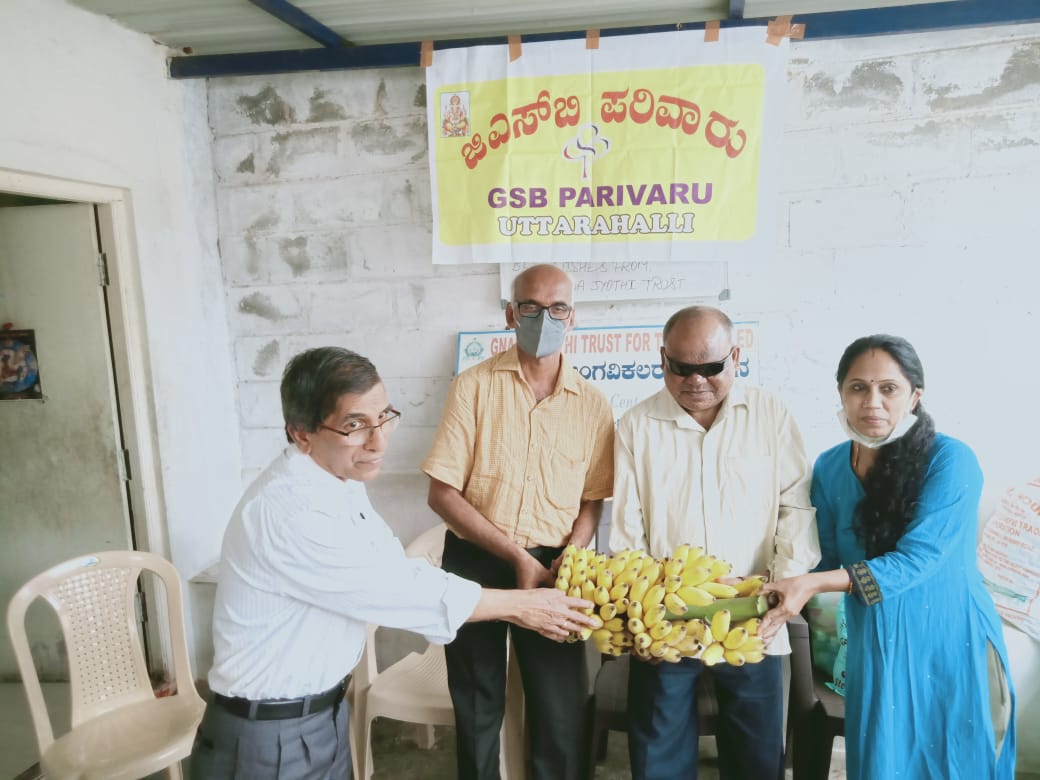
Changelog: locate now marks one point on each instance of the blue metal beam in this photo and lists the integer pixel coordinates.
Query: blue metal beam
(843, 24)
(736, 9)
(304, 22)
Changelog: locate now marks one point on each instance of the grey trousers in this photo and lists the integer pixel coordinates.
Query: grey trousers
(314, 747)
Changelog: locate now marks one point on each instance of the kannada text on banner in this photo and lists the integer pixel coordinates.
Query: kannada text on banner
(645, 149)
(624, 362)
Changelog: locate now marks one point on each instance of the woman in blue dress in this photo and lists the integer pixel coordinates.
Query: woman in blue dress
(928, 692)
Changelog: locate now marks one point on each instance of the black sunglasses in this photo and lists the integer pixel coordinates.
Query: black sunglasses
(689, 369)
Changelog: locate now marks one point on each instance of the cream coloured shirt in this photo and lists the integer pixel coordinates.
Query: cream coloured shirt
(739, 489)
(525, 465)
(306, 563)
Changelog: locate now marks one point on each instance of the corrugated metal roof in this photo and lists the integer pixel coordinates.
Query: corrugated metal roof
(235, 26)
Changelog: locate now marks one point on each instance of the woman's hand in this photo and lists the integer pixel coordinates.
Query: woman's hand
(793, 592)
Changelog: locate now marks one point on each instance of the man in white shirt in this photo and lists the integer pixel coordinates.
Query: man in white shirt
(708, 463)
(306, 563)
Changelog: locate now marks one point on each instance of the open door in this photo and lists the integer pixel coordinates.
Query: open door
(62, 461)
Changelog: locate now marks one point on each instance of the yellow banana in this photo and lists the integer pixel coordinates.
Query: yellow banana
(616, 566)
(657, 648)
(654, 596)
(601, 635)
(585, 633)
(753, 656)
(720, 568)
(672, 655)
(712, 654)
(752, 626)
(735, 638)
(627, 577)
(674, 604)
(621, 605)
(619, 591)
(601, 596)
(636, 626)
(562, 584)
(608, 610)
(695, 629)
(753, 644)
(694, 596)
(642, 641)
(574, 592)
(720, 624)
(579, 574)
(672, 583)
(690, 647)
(654, 614)
(673, 567)
(565, 573)
(719, 589)
(639, 589)
(695, 575)
(635, 609)
(614, 624)
(605, 579)
(681, 552)
(588, 590)
(652, 571)
(660, 630)
(621, 639)
(749, 586)
(707, 637)
(734, 657)
(677, 634)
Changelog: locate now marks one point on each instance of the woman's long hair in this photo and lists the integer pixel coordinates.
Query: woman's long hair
(894, 483)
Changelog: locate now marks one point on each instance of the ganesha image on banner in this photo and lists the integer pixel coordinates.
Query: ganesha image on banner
(455, 115)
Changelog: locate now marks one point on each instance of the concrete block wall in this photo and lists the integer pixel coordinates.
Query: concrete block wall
(908, 204)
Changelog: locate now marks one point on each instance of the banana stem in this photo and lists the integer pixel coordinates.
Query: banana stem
(739, 609)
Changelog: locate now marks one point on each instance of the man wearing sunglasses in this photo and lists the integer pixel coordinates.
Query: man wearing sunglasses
(519, 468)
(306, 563)
(711, 462)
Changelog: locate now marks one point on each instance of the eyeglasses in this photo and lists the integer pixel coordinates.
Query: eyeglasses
(362, 434)
(689, 369)
(558, 311)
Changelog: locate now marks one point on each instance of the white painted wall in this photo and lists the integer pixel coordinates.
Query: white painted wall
(86, 99)
(908, 205)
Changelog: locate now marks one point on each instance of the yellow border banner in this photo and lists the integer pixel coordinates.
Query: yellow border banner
(654, 147)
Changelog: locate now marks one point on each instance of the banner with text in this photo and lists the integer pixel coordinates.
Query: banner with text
(654, 147)
(634, 280)
(624, 362)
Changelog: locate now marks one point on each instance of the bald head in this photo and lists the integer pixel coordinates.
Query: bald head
(702, 318)
(541, 275)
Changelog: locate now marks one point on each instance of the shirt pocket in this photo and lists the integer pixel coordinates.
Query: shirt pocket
(749, 491)
(564, 480)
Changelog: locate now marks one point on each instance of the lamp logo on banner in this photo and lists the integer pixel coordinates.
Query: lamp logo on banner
(653, 148)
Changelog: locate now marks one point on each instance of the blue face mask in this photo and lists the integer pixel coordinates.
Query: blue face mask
(540, 336)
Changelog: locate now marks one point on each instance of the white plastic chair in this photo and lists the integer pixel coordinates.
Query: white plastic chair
(415, 690)
(119, 730)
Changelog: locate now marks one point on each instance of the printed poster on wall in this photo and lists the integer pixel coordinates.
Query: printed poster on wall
(624, 362)
(652, 148)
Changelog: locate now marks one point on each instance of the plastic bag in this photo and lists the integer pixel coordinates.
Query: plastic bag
(821, 612)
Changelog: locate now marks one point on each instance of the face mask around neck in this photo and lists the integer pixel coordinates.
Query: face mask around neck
(540, 336)
(873, 442)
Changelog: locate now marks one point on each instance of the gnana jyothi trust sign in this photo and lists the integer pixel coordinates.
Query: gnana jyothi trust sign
(652, 148)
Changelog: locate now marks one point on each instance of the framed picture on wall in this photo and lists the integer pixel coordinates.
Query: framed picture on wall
(19, 368)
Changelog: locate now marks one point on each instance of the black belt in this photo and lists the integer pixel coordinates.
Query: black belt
(282, 709)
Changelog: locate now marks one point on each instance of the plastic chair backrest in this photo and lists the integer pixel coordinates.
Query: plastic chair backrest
(94, 598)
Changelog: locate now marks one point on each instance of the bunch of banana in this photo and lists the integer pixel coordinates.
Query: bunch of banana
(667, 609)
